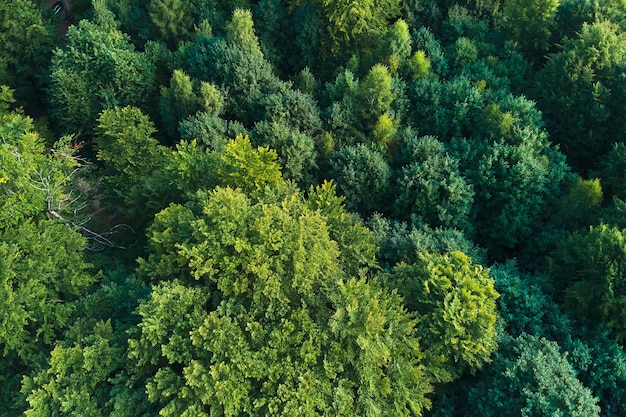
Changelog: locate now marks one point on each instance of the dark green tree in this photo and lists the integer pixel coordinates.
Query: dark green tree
(530, 376)
(296, 150)
(173, 20)
(96, 70)
(27, 36)
(530, 23)
(135, 165)
(363, 176)
(178, 101)
(612, 171)
(431, 187)
(581, 92)
(346, 20)
(589, 272)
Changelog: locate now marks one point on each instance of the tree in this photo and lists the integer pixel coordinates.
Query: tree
(172, 18)
(612, 171)
(249, 78)
(38, 183)
(177, 102)
(247, 168)
(363, 176)
(402, 241)
(455, 302)
(43, 271)
(342, 110)
(431, 187)
(530, 377)
(210, 130)
(270, 317)
(583, 81)
(240, 32)
(88, 372)
(502, 150)
(134, 164)
(530, 23)
(96, 70)
(375, 92)
(396, 45)
(27, 38)
(347, 20)
(589, 272)
(296, 150)
(573, 14)
(293, 108)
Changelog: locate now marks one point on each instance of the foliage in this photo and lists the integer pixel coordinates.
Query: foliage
(249, 78)
(27, 38)
(431, 187)
(247, 168)
(583, 82)
(530, 23)
(363, 176)
(240, 32)
(272, 317)
(345, 20)
(295, 150)
(531, 377)
(234, 147)
(590, 268)
(178, 101)
(134, 163)
(455, 303)
(42, 272)
(172, 18)
(612, 171)
(37, 183)
(96, 70)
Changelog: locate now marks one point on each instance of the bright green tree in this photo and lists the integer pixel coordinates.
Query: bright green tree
(396, 45)
(347, 20)
(37, 183)
(375, 92)
(88, 372)
(43, 270)
(455, 302)
(240, 32)
(247, 168)
(272, 324)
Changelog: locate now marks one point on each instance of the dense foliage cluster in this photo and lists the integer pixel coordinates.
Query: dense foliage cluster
(313, 208)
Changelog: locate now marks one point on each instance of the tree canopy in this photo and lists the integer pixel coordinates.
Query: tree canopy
(312, 208)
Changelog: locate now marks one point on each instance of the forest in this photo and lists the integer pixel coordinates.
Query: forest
(304, 208)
